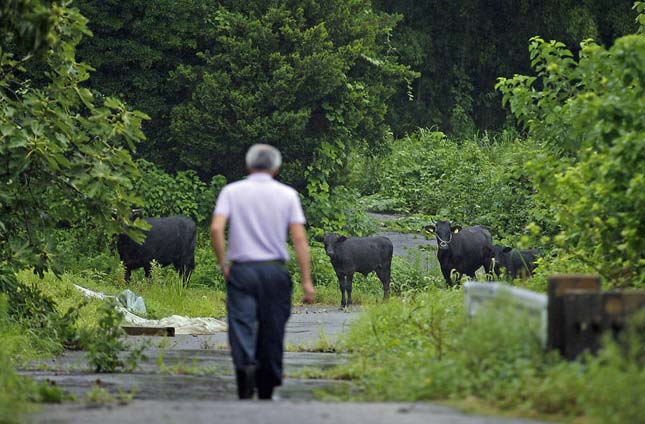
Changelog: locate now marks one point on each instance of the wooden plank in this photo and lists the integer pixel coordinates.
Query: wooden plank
(149, 331)
(582, 323)
(580, 314)
(559, 285)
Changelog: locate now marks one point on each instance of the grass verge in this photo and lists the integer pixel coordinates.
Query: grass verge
(424, 348)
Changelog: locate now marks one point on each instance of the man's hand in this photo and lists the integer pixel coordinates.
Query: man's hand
(308, 292)
(226, 271)
(218, 241)
(301, 245)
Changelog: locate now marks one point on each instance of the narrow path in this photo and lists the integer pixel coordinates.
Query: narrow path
(284, 412)
(166, 392)
(407, 245)
(189, 379)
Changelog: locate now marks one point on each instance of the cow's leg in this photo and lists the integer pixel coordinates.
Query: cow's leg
(128, 273)
(513, 271)
(383, 274)
(348, 288)
(148, 270)
(445, 270)
(488, 265)
(191, 266)
(184, 268)
(341, 283)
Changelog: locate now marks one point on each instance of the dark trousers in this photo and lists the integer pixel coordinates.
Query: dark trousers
(259, 305)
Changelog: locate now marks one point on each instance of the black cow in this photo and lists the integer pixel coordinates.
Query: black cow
(464, 250)
(169, 241)
(515, 262)
(359, 254)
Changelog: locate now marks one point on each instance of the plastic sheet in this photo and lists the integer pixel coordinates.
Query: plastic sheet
(182, 325)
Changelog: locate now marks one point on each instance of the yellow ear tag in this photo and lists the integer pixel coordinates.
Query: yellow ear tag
(456, 230)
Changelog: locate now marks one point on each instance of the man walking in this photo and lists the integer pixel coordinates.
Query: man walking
(260, 212)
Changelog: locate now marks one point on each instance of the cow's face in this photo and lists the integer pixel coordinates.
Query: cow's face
(331, 242)
(501, 254)
(444, 233)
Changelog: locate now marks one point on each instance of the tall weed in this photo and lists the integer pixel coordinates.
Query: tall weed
(476, 180)
(424, 347)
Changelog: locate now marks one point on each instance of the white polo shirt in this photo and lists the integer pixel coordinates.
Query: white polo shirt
(259, 211)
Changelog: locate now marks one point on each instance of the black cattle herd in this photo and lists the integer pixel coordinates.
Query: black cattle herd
(172, 241)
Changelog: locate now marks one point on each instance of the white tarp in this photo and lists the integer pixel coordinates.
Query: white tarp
(133, 303)
(182, 325)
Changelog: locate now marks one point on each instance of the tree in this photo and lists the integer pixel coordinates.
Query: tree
(137, 46)
(461, 47)
(309, 77)
(591, 113)
(64, 152)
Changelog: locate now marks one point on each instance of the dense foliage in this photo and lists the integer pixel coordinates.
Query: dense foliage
(591, 114)
(306, 76)
(461, 47)
(66, 155)
(141, 46)
(57, 139)
(475, 181)
(163, 194)
(424, 348)
(136, 46)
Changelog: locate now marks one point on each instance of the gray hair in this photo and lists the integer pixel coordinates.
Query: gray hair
(263, 157)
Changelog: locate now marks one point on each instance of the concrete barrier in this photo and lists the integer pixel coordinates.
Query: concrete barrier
(535, 304)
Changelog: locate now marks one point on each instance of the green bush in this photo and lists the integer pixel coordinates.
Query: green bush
(207, 272)
(617, 376)
(184, 193)
(590, 112)
(18, 346)
(51, 331)
(13, 396)
(337, 211)
(85, 247)
(473, 181)
(104, 347)
(425, 348)
(416, 273)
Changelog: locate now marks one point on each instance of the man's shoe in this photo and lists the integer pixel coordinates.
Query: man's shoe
(265, 391)
(245, 382)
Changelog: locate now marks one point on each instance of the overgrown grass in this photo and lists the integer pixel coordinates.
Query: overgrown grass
(472, 181)
(164, 294)
(19, 345)
(13, 396)
(425, 348)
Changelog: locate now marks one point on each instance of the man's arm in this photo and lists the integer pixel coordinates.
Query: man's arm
(218, 241)
(301, 245)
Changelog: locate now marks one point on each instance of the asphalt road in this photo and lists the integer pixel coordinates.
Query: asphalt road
(255, 412)
(166, 391)
(189, 379)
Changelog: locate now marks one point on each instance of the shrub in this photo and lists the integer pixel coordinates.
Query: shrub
(184, 193)
(104, 348)
(590, 112)
(423, 348)
(337, 211)
(474, 181)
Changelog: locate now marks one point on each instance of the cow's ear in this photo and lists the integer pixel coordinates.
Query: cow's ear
(507, 249)
(430, 228)
(456, 228)
(137, 213)
(341, 239)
